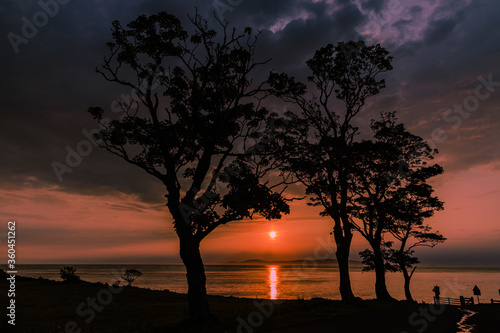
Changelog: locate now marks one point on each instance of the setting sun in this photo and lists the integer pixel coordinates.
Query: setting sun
(272, 234)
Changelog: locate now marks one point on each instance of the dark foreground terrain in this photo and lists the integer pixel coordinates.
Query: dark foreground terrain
(48, 306)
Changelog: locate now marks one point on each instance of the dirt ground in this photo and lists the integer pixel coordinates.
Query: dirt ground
(44, 306)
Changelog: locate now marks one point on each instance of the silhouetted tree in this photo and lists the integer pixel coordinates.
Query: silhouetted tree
(316, 145)
(130, 275)
(390, 189)
(200, 139)
(411, 234)
(68, 274)
(368, 259)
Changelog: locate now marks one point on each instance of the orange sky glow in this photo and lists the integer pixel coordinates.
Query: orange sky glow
(58, 227)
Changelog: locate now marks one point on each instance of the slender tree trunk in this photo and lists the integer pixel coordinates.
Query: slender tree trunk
(199, 311)
(380, 284)
(407, 283)
(342, 254)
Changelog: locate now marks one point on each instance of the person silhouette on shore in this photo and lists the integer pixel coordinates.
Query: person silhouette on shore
(436, 294)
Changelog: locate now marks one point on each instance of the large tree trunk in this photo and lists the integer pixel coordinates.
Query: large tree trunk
(342, 254)
(380, 284)
(199, 311)
(407, 283)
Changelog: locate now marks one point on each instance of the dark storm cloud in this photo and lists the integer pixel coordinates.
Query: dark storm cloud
(260, 13)
(309, 25)
(439, 30)
(451, 48)
(49, 84)
(403, 25)
(375, 5)
(441, 69)
(52, 81)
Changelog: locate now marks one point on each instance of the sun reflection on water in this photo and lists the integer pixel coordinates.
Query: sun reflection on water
(273, 282)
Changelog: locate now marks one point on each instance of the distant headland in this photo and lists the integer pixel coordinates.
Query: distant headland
(289, 262)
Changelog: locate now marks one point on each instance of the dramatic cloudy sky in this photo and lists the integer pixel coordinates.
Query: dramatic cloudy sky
(445, 53)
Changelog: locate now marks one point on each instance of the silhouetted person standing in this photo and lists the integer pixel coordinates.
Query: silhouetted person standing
(436, 294)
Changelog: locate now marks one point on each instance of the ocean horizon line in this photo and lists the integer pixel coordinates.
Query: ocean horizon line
(246, 262)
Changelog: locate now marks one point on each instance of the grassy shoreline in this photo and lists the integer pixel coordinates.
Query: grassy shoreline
(50, 306)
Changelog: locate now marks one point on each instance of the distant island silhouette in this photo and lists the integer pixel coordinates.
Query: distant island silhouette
(289, 262)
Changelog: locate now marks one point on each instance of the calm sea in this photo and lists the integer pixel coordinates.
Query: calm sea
(291, 281)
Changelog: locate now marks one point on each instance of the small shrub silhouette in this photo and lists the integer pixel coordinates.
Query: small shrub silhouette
(68, 274)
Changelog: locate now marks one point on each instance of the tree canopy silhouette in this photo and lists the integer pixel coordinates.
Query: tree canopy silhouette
(412, 233)
(316, 146)
(130, 275)
(390, 191)
(195, 125)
